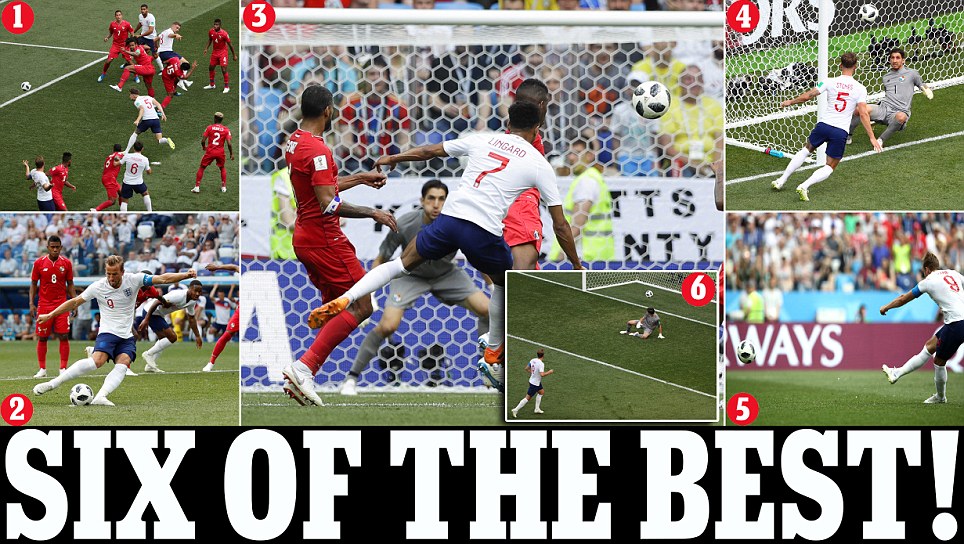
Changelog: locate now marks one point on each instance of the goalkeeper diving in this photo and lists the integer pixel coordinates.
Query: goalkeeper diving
(648, 323)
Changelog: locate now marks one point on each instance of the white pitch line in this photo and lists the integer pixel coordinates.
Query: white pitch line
(99, 52)
(381, 404)
(139, 374)
(850, 158)
(621, 369)
(49, 83)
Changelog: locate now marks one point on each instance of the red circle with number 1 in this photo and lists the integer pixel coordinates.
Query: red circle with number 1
(742, 409)
(742, 16)
(16, 410)
(17, 17)
(258, 16)
(698, 289)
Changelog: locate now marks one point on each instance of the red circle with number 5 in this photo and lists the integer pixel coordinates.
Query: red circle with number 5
(742, 409)
(17, 17)
(698, 289)
(258, 16)
(16, 410)
(742, 16)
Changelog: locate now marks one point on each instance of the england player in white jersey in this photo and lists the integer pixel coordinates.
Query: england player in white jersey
(164, 44)
(499, 169)
(537, 370)
(844, 97)
(147, 26)
(148, 110)
(39, 181)
(116, 295)
(135, 166)
(156, 314)
(946, 289)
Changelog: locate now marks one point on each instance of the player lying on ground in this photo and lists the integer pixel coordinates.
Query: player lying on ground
(41, 183)
(116, 295)
(537, 370)
(649, 323)
(894, 109)
(53, 278)
(233, 324)
(844, 96)
(156, 316)
(946, 289)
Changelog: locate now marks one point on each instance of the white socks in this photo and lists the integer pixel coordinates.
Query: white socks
(940, 380)
(538, 401)
(130, 142)
(821, 174)
(123, 206)
(375, 279)
(913, 363)
(112, 380)
(74, 371)
(795, 163)
(159, 346)
(147, 203)
(497, 316)
(162, 141)
(523, 403)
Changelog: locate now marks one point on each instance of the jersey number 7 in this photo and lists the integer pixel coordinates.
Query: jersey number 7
(501, 167)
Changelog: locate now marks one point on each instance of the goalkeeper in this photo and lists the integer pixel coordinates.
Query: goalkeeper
(648, 323)
(894, 109)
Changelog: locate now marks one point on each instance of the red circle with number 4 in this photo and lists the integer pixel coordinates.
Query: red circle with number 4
(258, 16)
(698, 289)
(742, 409)
(17, 17)
(742, 16)
(16, 410)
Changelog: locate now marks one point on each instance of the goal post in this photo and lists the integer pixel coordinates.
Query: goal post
(594, 280)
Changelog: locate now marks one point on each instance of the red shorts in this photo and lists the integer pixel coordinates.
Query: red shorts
(144, 69)
(333, 269)
(115, 51)
(112, 187)
(219, 59)
(60, 324)
(169, 85)
(61, 206)
(523, 224)
(235, 323)
(208, 159)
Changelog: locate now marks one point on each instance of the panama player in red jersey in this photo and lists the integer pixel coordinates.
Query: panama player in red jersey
(216, 137)
(175, 69)
(233, 325)
(318, 240)
(139, 62)
(58, 179)
(118, 30)
(218, 37)
(108, 179)
(55, 276)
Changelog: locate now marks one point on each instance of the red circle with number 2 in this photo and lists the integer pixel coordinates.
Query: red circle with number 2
(743, 16)
(16, 410)
(17, 17)
(742, 409)
(698, 289)
(258, 16)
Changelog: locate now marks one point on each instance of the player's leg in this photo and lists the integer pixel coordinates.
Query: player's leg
(538, 409)
(148, 73)
(940, 382)
(224, 72)
(895, 122)
(42, 352)
(123, 354)
(525, 257)
(796, 161)
(232, 329)
(488, 254)
(81, 367)
(523, 402)
(112, 191)
(387, 325)
(949, 339)
(629, 326)
(159, 135)
(147, 198)
(224, 173)
(113, 54)
(646, 333)
(133, 138)
(63, 336)
(206, 160)
(820, 174)
(165, 339)
(211, 66)
(912, 364)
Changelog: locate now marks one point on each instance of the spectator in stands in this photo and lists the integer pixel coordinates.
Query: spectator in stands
(208, 254)
(132, 264)
(80, 327)
(188, 254)
(105, 248)
(148, 262)
(618, 5)
(337, 72)
(226, 230)
(692, 133)
(206, 235)
(373, 123)
(9, 265)
(753, 305)
(167, 253)
(14, 233)
(772, 301)
(861, 314)
(190, 228)
(6, 325)
(885, 278)
(659, 65)
(635, 141)
(588, 208)
(902, 261)
(880, 251)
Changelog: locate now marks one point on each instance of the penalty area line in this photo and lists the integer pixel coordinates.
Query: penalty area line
(100, 52)
(850, 158)
(49, 83)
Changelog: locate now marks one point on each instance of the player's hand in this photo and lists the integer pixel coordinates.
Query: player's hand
(785, 103)
(883, 310)
(232, 157)
(33, 311)
(198, 343)
(928, 93)
(142, 326)
(385, 160)
(192, 273)
(385, 218)
(877, 147)
(44, 318)
(163, 117)
(373, 179)
(235, 57)
(577, 265)
(105, 40)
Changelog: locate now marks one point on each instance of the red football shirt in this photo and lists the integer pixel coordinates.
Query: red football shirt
(310, 163)
(217, 135)
(143, 59)
(53, 277)
(146, 293)
(220, 40)
(119, 32)
(537, 143)
(58, 177)
(111, 169)
(172, 70)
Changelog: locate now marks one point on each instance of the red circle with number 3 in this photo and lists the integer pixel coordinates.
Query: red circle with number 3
(17, 17)
(698, 289)
(16, 410)
(258, 16)
(742, 409)
(742, 16)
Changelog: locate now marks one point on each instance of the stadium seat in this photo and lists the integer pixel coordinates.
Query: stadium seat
(226, 252)
(457, 5)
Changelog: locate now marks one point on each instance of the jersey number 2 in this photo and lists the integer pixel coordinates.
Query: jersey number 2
(501, 167)
(216, 139)
(840, 104)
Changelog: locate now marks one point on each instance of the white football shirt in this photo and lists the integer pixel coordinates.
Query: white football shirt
(116, 305)
(135, 165)
(843, 95)
(537, 367)
(179, 301)
(148, 103)
(222, 311)
(39, 180)
(147, 22)
(946, 289)
(166, 41)
(501, 167)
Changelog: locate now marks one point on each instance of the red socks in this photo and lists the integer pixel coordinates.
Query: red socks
(328, 338)
(224, 177)
(165, 102)
(219, 346)
(64, 353)
(104, 205)
(42, 354)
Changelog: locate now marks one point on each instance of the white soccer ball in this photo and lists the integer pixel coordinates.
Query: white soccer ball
(868, 13)
(651, 99)
(649, 294)
(746, 352)
(81, 394)
(25, 86)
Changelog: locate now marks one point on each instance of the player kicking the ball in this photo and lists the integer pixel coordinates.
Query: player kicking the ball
(213, 140)
(844, 96)
(500, 168)
(946, 289)
(218, 37)
(649, 323)
(116, 295)
(233, 324)
(537, 370)
(156, 316)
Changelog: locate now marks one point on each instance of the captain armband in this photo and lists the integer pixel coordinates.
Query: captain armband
(333, 206)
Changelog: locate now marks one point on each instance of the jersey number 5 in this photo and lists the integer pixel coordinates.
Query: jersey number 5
(840, 104)
(501, 167)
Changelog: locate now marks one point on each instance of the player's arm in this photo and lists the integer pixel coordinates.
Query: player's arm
(134, 32)
(919, 83)
(231, 47)
(210, 41)
(33, 297)
(864, 111)
(718, 171)
(416, 154)
(159, 108)
(148, 31)
(172, 277)
(68, 306)
(546, 373)
(804, 97)
(372, 179)
(564, 235)
(147, 316)
(331, 204)
(197, 333)
(901, 300)
(70, 185)
(191, 71)
(140, 114)
(204, 140)
(230, 149)
(215, 267)
(109, 33)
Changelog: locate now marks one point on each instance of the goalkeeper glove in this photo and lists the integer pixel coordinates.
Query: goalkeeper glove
(928, 93)
(661, 337)
(639, 324)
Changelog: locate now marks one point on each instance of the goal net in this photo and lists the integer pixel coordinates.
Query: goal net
(665, 281)
(403, 78)
(782, 58)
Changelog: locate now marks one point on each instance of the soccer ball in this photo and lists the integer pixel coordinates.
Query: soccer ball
(81, 394)
(649, 294)
(746, 351)
(868, 13)
(25, 86)
(651, 99)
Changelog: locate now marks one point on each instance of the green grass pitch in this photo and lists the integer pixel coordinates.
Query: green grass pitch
(182, 396)
(80, 115)
(644, 380)
(848, 398)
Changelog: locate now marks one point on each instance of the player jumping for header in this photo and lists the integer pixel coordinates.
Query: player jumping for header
(648, 323)
(844, 96)
(139, 62)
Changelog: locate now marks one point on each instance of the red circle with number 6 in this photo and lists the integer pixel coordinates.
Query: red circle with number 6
(16, 410)
(698, 289)
(17, 17)
(258, 16)
(742, 16)
(742, 409)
